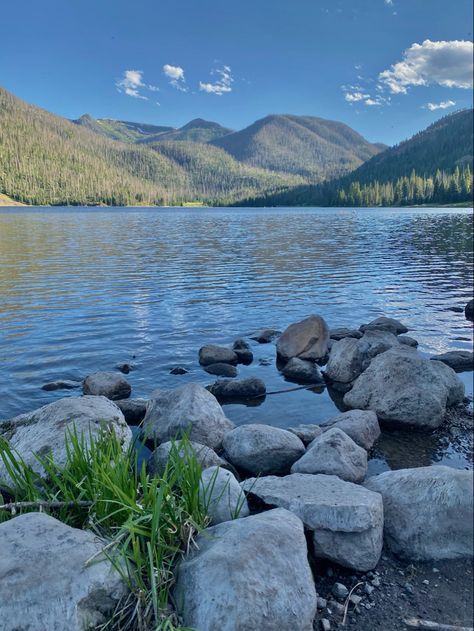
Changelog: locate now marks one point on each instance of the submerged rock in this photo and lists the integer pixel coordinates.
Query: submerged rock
(230, 389)
(189, 409)
(221, 370)
(178, 370)
(302, 371)
(460, 361)
(385, 324)
(346, 519)
(265, 336)
(307, 339)
(361, 425)
(262, 449)
(107, 384)
(212, 354)
(244, 354)
(46, 582)
(205, 456)
(250, 573)
(61, 384)
(428, 512)
(222, 496)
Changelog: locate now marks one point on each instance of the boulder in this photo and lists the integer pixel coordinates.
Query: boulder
(385, 324)
(428, 512)
(229, 389)
(262, 449)
(346, 519)
(342, 332)
(361, 425)
(222, 496)
(302, 371)
(306, 432)
(407, 340)
(61, 384)
(244, 354)
(206, 456)
(403, 388)
(134, 410)
(469, 310)
(221, 370)
(307, 339)
(248, 574)
(189, 409)
(334, 453)
(265, 336)
(459, 361)
(211, 354)
(45, 430)
(107, 384)
(46, 583)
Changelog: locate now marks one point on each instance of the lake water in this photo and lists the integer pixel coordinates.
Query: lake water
(82, 290)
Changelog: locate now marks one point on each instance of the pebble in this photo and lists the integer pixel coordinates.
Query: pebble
(368, 589)
(435, 569)
(325, 624)
(339, 590)
(355, 599)
(376, 581)
(321, 603)
(426, 582)
(408, 587)
(336, 607)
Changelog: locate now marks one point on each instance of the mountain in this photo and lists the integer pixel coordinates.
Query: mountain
(314, 148)
(46, 159)
(434, 166)
(197, 130)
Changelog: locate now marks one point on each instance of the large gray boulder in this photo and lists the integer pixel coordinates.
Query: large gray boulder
(112, 385)
(302, 371)
(262, 449)
(211, 354)
(241, 389)
(307, 339)
(460, 361)
(428, 512)
(361, 425)
(45, 430)
(385, 324)
(403, 388)
(222, 496)
(204, 455)
(334, 453)
(46, 583)
(189, 409)
(346, 519)
(248, 574)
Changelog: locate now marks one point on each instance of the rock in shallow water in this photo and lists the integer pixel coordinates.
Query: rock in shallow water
(469, 310)
(61, 384)
(265, 336)
(428, 512)
(45, 583)
(248, 574)
(244, 354)
(385, 324)
(221, 370)
(459, 361)
(134, 410)
(107, 384)
(302, 371)
(307, 339)
(222, 496)
(211, 354)
(229, 389)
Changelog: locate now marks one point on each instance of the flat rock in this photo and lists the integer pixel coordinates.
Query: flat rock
(346, 519)
(403, 388)
(206, 456)
(222, 496)
(211, 354)
(265, 336)
(243, 351)
(361, 425)
(469, 310)
(306, 432)
(307, 339)
(248, 574)
(61, 384)
(44, 431)
(107, 384)
(230, 389)
(134, 410)
(45, 583)
(189, 409)
(262, 449)
(385, 324)
(428, 512)
(342, 332)
(334, 453)
(460, 361)
(221, 370)
(302, 371)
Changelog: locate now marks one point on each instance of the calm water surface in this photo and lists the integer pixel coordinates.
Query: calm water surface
(84, 289)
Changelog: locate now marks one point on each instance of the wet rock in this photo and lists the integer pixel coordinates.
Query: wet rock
(325, 624)
(428, 512)
(178, 370)
(307, 339)
(262, 449)
(361, 425)
(107, 384)
(469, 310)
(206, 456)
(189, 409)
(134, 410)
(228, 389)
(346, 519)
(403, 388)
(265, 336)
(44, 431)
(211, 354)
(249, 573)
(459, 361)
(340, 591)
(342, 332)
(45, 580)
(334, 453)
(221, 370)
(61, 384)
(302, 371)
(306, 433)
(124, 368)
(407, 340)
(321, 603)
(222, 496)
(385, 324)
(244, 354)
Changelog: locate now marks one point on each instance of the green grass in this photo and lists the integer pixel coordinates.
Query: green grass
(148, 521)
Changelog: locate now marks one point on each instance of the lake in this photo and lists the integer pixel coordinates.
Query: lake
(83, 290)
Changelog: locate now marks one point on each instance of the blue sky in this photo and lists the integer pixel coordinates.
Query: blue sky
(387, 68)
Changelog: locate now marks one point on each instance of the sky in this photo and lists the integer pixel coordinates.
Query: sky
(387, 68)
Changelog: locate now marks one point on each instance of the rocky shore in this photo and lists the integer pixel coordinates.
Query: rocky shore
(298, 536)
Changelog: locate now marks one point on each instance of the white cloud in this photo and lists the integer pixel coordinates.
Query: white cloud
(356, 94)
(443, 105)
(445, 63)
(130, 83)
(389, 2)
(353, 97)
(176, 76)
(223, 83)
